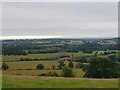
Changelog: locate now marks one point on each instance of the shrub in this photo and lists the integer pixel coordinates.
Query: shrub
(71, 64)
(40, 66)
(79, 65)
(4, 66)
(61, 64)
(67, 72)
(113, 57)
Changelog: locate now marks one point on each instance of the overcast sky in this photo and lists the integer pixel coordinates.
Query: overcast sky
(60, 19)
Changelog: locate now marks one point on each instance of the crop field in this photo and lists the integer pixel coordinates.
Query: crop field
(12, 81)
(42, 56)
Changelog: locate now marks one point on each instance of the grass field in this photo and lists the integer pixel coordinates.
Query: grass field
(77, 72)
(42, 56)
(21, 68)
(33, 64)
(12, 81)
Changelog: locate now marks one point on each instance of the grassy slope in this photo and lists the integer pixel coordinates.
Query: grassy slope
(56, 82)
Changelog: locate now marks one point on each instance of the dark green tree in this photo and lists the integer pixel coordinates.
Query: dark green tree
(40, 66)
(61, 64)
(71, 65)
(67, 72)
(102, 68)
(4, 66)
(79, 65)
(113, 57)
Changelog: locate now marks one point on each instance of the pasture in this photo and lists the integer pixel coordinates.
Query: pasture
(77, 72)
(12, 81)
(29, 68)
(42, 56)
(33, 64)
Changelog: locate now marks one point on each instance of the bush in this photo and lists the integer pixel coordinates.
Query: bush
(40, 66)
(79, 65)
(4, 66)
(71, 64)
(61, 64)
(82, 59)
(67, 72)
(113, 57)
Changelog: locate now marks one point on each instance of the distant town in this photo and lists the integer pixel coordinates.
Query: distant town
(36, 46)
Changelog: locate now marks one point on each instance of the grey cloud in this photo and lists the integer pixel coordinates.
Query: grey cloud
(67, 19)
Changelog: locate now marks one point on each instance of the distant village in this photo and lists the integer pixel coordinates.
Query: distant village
(79, 42)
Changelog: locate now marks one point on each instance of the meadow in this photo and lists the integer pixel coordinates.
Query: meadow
(43, 56)
(77, 72)
(29, 68)
(32, 64)
(56, 82)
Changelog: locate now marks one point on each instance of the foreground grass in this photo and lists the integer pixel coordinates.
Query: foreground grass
(56, 82)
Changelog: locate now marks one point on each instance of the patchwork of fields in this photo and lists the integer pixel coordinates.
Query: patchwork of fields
(25, 72)
(29, 68)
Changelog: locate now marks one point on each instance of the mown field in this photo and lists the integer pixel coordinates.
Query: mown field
(56, 82)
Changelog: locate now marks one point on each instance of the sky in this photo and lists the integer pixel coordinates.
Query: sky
(59, 19)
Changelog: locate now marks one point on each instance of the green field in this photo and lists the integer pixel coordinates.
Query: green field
(56, 82)
(29, 68)
(42, 56)
(33, 64)
(77, 72)
(23, 74)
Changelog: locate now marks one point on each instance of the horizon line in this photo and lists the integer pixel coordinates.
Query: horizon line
(47, 37)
